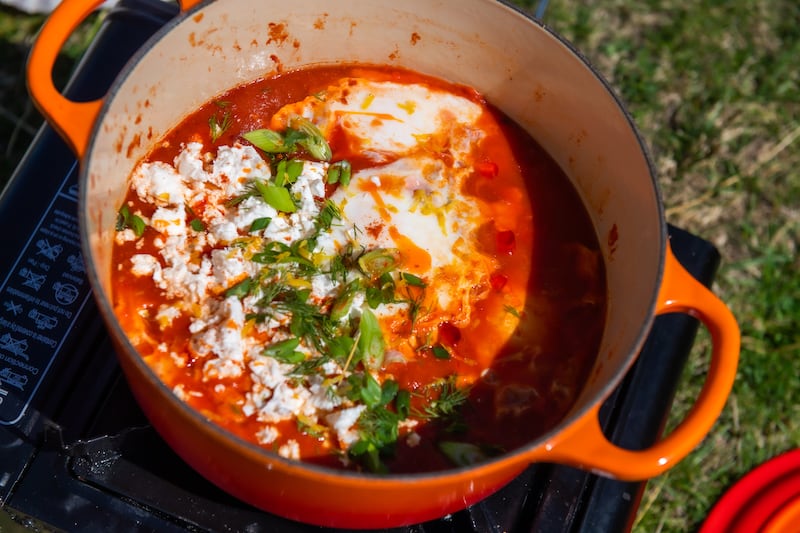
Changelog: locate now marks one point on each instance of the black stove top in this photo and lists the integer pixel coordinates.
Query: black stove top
(76, 453)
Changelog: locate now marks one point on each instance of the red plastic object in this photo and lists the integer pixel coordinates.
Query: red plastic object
(766, 500)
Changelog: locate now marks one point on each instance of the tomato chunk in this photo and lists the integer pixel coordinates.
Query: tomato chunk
(487, 169)
(498, 281)
(505, 242)
(449, 335)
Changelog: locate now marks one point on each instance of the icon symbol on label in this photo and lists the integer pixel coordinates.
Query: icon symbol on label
(43, 321)
(12, 307)
(50, 251)
(17, 347)
(33, 279)
(10, 377)
(76, 263)
(66, 293)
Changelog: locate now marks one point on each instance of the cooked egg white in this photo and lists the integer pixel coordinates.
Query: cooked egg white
(411, 199)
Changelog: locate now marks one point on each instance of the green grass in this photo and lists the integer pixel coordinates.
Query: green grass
(714, 86)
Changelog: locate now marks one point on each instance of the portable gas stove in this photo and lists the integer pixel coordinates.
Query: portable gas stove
(76, 453)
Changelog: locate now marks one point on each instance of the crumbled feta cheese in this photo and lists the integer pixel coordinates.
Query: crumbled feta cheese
(235, 165)
(290, 450)
(169, 220)
(249, 210)
(342, 423)
(267, 435)
(285, 403)
(189, 163)
(126, 235)
(223, 232)
(144, 265)
(158, 183)
(166, 315)
(228, 266)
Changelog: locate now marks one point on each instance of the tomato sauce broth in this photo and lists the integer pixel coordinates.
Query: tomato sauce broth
(551, 257)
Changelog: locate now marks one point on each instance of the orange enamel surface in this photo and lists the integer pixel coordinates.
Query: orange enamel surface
(583, 444)
(276, 485)
(72, 120)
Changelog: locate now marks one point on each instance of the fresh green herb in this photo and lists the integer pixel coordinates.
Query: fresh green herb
(241, 289)
(259, 224)
(276, 252)
(414, 303)
(365, 388)
(413, 280)
(341, 347)
(217, 127)
(440, 352)
(337, 269)
(445, 399)
(378, 424)
(309, 427)
(402, 404)
(308, 367)
(284, 351)
(127, 220)
(327, 214)
(510, 310)
(195, 223)
(382, 291)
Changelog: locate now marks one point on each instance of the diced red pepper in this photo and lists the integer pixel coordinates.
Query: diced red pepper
(498, 281)
(505, 241)
(487, 169)
(449, 335)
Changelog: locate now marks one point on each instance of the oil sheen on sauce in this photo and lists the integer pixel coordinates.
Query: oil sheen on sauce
(431, 295)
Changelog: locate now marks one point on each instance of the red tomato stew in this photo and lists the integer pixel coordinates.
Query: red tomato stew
(361, 267)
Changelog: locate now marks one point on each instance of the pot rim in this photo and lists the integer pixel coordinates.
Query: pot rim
(520, 454)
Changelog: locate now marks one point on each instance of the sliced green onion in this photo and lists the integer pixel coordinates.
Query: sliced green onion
(379, 261)
(343, 302)
(370, 341)
(288, 171)
(312, 139)
(339, 172)
(277, 197)
(126, 219)
(270, 141)
(462, 453)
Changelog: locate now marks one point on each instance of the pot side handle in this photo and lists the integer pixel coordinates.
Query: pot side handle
(587, 447)
(72, 120)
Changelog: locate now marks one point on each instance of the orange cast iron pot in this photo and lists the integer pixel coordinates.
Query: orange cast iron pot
(529, 73)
